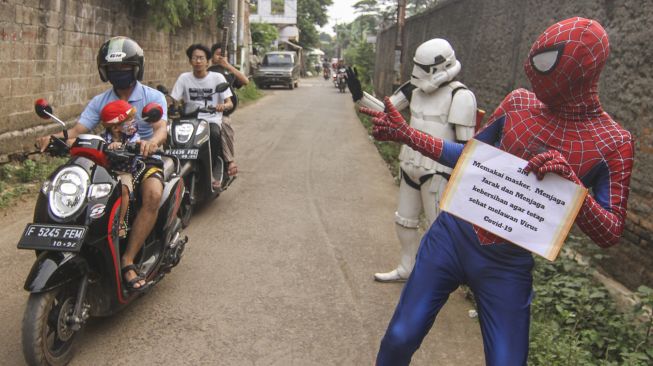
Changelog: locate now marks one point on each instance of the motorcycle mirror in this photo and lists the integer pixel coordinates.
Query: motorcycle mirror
(42, 108)
(152, 113)
(221, 87)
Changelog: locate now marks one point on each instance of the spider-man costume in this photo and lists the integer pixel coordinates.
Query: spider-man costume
(560, 128)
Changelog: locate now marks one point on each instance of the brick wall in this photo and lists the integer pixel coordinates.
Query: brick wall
(48, 49)
(492, 39)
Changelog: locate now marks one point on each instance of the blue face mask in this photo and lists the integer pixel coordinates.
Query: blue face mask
(122, 79)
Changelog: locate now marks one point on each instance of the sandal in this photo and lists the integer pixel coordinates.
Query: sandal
(131, 283)
(232, 169)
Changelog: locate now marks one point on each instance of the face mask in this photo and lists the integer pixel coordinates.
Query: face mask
(128, 128)
(121, 79)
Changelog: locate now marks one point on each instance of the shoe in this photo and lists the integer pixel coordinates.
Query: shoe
(392, 276)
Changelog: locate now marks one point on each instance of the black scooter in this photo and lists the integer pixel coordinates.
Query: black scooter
(190, 140)
(74, 235)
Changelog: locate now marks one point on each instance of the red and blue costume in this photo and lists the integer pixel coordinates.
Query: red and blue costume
(559, 127)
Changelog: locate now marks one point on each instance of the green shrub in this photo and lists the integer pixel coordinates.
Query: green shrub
(576, 322)
(17, 179)
(248, 93)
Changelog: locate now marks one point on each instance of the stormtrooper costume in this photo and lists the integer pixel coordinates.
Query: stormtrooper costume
(559, 127)
(439, 107)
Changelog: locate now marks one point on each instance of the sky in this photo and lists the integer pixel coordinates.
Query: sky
(342, 12)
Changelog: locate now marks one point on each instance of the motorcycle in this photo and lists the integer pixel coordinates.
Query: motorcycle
(75, 236)
(326, 73)
(189, 140)
(342, 80)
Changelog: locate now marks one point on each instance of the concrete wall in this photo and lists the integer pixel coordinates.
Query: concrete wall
(48, 49)
(492, 39)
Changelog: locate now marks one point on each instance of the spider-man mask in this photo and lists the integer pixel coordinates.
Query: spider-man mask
(565, 62)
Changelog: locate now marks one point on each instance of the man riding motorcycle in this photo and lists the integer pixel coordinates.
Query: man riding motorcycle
(120, 61)
(197, 88)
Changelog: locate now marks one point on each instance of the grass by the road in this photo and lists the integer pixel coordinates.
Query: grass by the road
(26, 177)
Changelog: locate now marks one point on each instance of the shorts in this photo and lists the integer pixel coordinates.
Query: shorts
(151, 171)
(127, 180)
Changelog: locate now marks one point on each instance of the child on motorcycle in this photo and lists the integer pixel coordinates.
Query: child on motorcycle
(118, 120)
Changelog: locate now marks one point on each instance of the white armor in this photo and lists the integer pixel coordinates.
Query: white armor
(442, 108)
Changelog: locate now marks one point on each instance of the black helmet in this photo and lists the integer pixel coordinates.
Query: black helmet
(120, 51)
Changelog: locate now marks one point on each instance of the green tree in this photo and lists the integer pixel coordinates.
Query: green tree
(310, 14)
(172, 14)
(415, 7)
(263, 35)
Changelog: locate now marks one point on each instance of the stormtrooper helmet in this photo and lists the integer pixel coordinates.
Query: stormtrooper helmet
(434, 64)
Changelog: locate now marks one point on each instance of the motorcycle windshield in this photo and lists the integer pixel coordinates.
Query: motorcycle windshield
(190, 110)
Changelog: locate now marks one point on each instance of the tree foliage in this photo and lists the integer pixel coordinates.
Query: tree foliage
(263, 35)
(172, 14)
(311, 13)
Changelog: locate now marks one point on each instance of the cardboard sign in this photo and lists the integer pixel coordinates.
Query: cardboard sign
(489, 189)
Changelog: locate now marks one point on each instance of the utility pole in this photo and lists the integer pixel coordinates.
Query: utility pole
(337, 40)
(399, 43)
(233, 33)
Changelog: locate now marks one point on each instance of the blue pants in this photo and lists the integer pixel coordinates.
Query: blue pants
(499, 275)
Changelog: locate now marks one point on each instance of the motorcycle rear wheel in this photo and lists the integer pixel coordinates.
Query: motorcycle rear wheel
(47, 338)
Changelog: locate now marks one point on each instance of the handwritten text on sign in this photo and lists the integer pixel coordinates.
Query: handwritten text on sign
(489, 189)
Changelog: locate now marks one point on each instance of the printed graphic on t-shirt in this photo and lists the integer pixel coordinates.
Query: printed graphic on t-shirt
(200, 94)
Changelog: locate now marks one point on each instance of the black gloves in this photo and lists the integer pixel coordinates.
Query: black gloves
(354, 84)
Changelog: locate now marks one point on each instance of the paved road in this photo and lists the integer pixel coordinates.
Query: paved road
(278, 270)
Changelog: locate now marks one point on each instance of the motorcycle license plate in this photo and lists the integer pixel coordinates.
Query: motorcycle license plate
(184, 154)
(63, 238)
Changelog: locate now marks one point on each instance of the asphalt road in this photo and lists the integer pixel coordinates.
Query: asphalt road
(278, 270)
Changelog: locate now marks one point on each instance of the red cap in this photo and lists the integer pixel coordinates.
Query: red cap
(116, 112)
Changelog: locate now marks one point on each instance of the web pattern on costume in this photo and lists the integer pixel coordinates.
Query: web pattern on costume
(573, 83)
(573, 124)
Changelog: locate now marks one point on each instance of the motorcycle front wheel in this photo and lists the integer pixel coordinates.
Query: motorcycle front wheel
(48, 339)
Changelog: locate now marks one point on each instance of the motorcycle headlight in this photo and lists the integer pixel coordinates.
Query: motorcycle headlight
(68, 191)
(100, 190)
(183, 132)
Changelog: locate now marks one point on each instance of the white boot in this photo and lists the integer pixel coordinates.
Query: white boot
(409, 239)
(392, 276)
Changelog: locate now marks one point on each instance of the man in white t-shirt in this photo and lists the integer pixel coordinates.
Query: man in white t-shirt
(198, 87)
